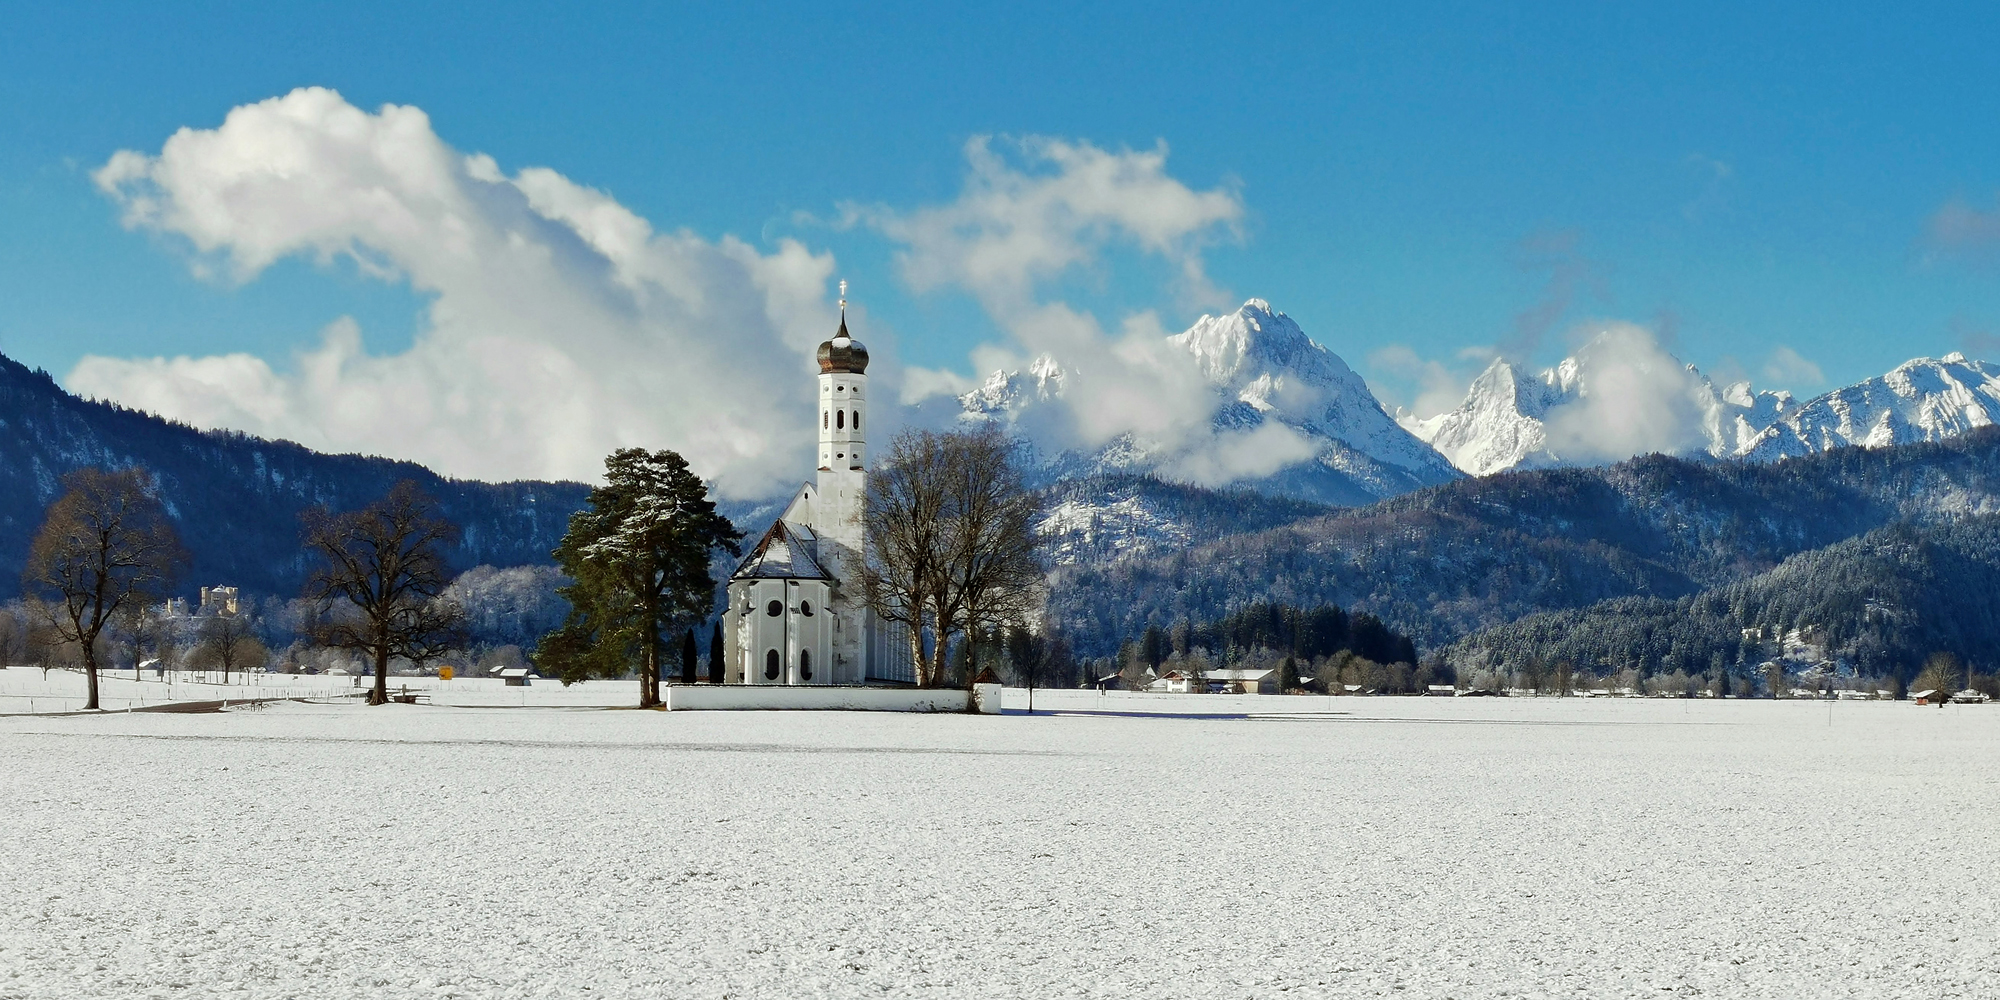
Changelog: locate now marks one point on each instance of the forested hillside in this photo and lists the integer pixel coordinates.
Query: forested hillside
(1443, 562)
(236, 499)
(1880, 603)
(1103, 519)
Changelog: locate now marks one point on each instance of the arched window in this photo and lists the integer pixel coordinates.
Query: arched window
(806, 608)
(857, 420)
(839, 418)
(823, 419)
(775, 608)
(805, 665)
(771, 665)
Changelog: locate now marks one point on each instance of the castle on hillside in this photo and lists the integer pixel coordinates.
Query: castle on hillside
(796, 612)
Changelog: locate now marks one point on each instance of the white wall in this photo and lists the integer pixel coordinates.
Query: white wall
(727, 697)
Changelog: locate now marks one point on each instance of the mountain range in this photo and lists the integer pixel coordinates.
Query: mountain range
(1479, 553)
(1482, 522)
(1510, 420)
(1618, 395)
(236, 499)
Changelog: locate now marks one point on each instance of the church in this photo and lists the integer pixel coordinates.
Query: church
(796, 611)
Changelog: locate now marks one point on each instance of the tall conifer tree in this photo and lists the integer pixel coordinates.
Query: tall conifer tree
(639, 557)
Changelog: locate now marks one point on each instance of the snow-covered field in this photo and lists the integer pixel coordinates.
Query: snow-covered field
(27, 691)
(1403, 847)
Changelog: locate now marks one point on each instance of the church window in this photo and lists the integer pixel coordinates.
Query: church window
(775, 608)
(822, 419)
(771, 665)
(840, 418)
(805, 665)
(857, 420)
(806, 608)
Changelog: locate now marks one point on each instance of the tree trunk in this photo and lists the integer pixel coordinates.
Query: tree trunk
(917, 654)
(971, 658)
(649, 673)
(90, 671)
(380, 695)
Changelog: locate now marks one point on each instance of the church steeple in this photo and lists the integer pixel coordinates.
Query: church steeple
(843, 353)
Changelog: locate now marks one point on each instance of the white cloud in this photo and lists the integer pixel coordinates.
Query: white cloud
(1424, 387)
(1055, 206)
(1792, 370)
(1632, 398)
(562, 325)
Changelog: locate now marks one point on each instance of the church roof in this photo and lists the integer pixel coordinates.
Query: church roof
(843, 353)
(785, 553)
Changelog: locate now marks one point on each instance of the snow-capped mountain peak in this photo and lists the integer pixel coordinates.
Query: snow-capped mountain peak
(1263, 368)
(1499, 426)
(1619, 376)
(1008, 391)
(1923, 399)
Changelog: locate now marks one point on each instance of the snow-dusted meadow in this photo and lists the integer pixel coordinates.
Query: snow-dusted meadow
(1347, 847)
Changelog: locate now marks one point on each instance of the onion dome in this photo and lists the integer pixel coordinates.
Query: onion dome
(843, 353)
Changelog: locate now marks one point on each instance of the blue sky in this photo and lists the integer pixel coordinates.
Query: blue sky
(1741, 177)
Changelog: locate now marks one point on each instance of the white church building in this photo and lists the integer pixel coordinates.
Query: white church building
(796, 611)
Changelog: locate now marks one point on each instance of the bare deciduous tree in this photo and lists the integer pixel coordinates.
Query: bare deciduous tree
(228, 643)
(107, 544)
(1941, 674)
(378, 588)
(903, 519)
(951, 539)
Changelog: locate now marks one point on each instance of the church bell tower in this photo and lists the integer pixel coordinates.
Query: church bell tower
(843, 482)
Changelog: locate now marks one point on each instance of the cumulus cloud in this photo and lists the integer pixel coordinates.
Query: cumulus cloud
(561, 325)
(1036, 208)
(1052, 206)
(1632, 397)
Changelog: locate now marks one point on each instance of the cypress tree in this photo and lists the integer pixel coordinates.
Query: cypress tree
(715, 654)
(687, 657)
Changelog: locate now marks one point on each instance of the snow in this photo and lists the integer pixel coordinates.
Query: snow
(1500, 425)
(1262, 367)
(1379, 847)
(1921, 400)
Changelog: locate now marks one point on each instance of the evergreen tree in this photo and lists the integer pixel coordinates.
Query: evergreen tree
(715, 653)
(638, 558)
(688, 657)
(1153, 646)
(1288, 675)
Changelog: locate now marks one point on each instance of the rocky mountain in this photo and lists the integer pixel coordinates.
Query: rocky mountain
(1263, 369)
(236, 499)
(1921, 400)
(1510, 420)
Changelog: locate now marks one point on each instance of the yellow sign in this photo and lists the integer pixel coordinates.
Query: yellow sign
(444, 673)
